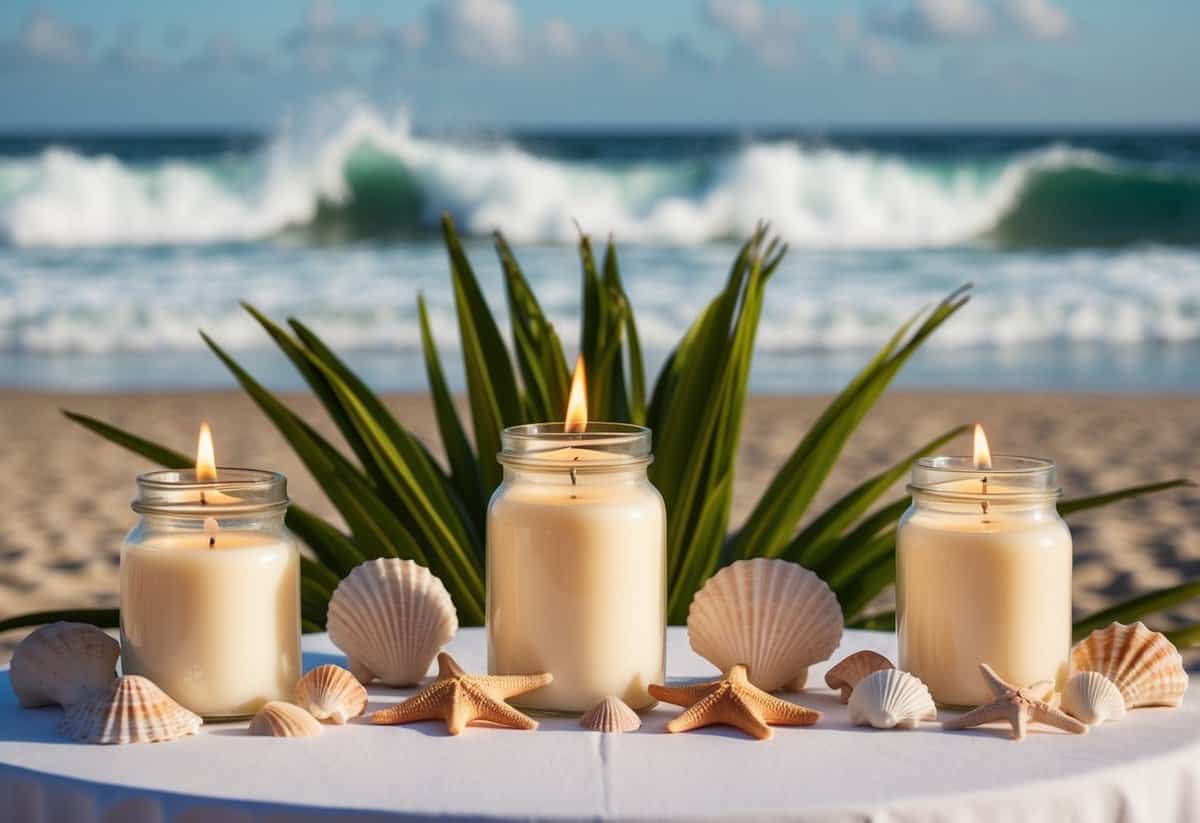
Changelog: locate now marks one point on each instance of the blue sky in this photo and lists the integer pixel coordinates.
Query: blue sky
(126, 64)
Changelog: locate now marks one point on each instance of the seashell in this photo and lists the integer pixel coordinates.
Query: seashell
(611, 715)
(131, 710)
(331, 693)
(279, 719)
(847, 674)
(890, 698)
(774, 616)
(391, 617)
(61, 663)
(1143, 664)
(1092, 698)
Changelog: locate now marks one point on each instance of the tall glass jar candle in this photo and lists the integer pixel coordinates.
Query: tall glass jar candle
(210, 591)
(576, 566)
(983, 566)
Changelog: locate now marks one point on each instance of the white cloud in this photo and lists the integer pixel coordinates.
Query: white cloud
(1039, 18)
(772, 35)
(743, 18)
(559, 38)
(482, 31)
(49, 39)
(923, 20)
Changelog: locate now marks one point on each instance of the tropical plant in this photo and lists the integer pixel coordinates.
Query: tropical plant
(397, 500)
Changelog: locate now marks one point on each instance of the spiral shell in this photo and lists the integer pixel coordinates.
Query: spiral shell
(279, 719)
(1092, 698)
(611, 715)
(131, 710)
(890, 698)
(62, 663)
(847, 674)
(391, 617)
(1143, 664)
(331, 693)
(774, 616)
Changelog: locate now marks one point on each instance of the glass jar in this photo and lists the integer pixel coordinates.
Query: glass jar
(210, 591)
(983, 575)
(576, 565)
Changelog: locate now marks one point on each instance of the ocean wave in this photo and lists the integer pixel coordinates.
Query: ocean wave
(365, 176)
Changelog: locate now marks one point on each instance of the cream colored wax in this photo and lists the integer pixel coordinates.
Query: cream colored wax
(216, 628)
(975, 588)
(576, 585)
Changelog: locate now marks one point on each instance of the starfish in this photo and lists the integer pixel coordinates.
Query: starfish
(1018, 707)
(460, 699)
(732, 701)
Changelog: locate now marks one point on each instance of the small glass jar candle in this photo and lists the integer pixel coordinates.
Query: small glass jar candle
(576, 565)
(210, 591)
(983, 575)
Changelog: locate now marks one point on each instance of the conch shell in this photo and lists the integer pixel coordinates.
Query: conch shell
(391, 617)
(847, 674)
(774, 616)
(279, 719)
(1092, 698)
(61, 663)
(611, 715)
(1143, 664)
(131, 710)
(331, 693)
(890, 698)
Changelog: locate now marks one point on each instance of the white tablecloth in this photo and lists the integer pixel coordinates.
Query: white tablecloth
(1144, 768)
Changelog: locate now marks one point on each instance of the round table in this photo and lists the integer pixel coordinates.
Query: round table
(1145, 767)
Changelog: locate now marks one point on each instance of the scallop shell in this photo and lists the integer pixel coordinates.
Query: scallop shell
(279, 719)
(1143, 664)
(131, 710)
(890, 698)
(774, 616)
(847, 674)
(391, 617)
(611, 715)
(1092, 698)
(331, 693)
(62, 663)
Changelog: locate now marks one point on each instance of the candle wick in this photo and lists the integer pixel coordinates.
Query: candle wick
(203, 499)
(984, 504)
(212, 542)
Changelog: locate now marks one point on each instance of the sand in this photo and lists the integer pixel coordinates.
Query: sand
(64, 502)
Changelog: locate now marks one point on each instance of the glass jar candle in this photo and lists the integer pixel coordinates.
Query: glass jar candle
(576, 565)
(210, 591)
(983, 575)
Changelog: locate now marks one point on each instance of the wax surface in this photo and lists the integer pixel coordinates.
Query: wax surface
(576, 587)
(990, 589)
(218, 629)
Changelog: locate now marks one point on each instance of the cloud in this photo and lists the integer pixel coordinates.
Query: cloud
(772, 36)
(932, 20)
(224, 52)
(126, 51)
(1039, 18)
(45, 40)
(481, 31)
(560, 39)
(322, 40)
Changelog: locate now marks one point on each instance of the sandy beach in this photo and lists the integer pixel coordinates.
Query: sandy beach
(65, 502)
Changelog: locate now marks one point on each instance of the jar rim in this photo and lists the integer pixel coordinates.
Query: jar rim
(236, 491)
(1019, 479)
(618, 446)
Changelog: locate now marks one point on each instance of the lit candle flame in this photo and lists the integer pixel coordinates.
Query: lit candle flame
(983, 455)
(577, 415)
(206, 461)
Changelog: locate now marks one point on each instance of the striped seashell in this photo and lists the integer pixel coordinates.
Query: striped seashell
(62, 663)
(1143, 664)
(774, 616)
(890, 698)
(611, 715)
(331, 693)
(391, 617)
(131, 710)
(847, 674)
(1092, 698)
(279, 719)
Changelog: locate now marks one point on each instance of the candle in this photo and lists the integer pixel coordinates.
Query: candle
(210, 604)
(577, 562)
(983, 567)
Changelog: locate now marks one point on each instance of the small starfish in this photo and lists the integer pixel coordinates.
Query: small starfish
(732, 701)
(460, 699)
(1018, 707)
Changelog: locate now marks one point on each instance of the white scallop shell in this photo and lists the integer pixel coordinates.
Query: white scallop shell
(62, 663)
(611, 715)
(774, 616)
(391, 617)
(331, 693)
(890, 698)
(852, 669)
(1092, 698)
(279, 719)
(131, 710)
(1143, 664)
